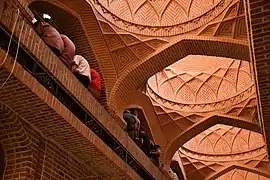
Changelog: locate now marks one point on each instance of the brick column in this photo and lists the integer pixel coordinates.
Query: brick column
(258, 24)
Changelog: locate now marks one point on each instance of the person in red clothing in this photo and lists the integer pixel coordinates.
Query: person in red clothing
(95, 86)
(68, 53)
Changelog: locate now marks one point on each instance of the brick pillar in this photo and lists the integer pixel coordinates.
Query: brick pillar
(258, 24)
(16, 146)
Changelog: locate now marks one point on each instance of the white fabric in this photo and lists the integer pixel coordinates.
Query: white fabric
(82, 66)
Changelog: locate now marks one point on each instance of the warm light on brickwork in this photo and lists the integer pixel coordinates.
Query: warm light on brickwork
(51, 127)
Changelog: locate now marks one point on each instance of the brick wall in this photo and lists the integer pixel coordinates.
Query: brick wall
(258, 23)
(29, 155)
(61, 74)
(84, 12)
(71, 25)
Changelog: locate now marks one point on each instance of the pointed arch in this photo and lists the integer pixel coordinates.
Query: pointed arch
(201, 126)
(83, 28)
(142, 101)
(240, 167)
(15, 142)
(144, 69)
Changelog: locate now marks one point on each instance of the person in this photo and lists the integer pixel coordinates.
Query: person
(95, 86)
(145, 143)
(81, 69)
(130, 120)
(68, 52)
(50, 35)
(155, 154)
(137, 125)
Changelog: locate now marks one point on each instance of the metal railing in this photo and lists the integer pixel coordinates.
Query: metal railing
(28, 61)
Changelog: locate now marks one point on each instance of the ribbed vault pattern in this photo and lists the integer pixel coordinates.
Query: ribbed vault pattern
(220, 147)
(196, 87)
(202, 79)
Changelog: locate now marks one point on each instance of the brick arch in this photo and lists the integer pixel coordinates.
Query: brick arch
(138, 74)
(240, 167)
(90, 42)
(139, 99)
(201, 126)
(16, 145)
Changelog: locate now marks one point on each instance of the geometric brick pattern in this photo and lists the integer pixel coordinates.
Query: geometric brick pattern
(257, 14)
(91, 33)
(82, 95)
(175, 96)
(217, 80)
(126, 61)
(126, 49)
(138, 74)
(29, 155)
(71, 28)
(192, 130)
(231, 25)
(160, 18)
(221, 146)
(17, 146)
(236, 172)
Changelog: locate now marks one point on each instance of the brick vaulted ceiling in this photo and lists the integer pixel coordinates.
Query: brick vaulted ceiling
(185, 94)
(193, 90)
(196, 90)
(132, 40)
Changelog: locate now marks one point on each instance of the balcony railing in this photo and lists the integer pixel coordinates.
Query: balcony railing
(37, 70)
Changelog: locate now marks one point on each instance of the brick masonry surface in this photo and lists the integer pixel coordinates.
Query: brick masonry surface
(30, 155)
(65, 76)
(258, 16)
(48, 115)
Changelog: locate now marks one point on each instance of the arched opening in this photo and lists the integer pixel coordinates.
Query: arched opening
(169, 55)
(138, 130)
(70, 24)
(201, 126)
(2, 161)
(150, 118)
(235, 171)
(215, 148)
(142, 118)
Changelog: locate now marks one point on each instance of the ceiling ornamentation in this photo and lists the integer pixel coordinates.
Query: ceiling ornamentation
(197, 87)
(231, 24)
(160, 17)
(202, 83)
(222, 146)
(242, 174)
(173, 122)
(127, 49)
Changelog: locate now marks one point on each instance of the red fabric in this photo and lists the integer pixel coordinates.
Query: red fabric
(68, 53)
(95, 80)
(52, 37)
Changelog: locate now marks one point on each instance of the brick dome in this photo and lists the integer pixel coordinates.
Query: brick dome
(202, 80)
(224, 140)
(176, 16)
(221, 146)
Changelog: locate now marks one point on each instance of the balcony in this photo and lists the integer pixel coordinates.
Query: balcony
(46, 94)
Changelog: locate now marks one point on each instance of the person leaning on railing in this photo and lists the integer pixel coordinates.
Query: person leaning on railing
(68, 52)
(155, 154)
(95, 85)
(81, 69)
(50, 35)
